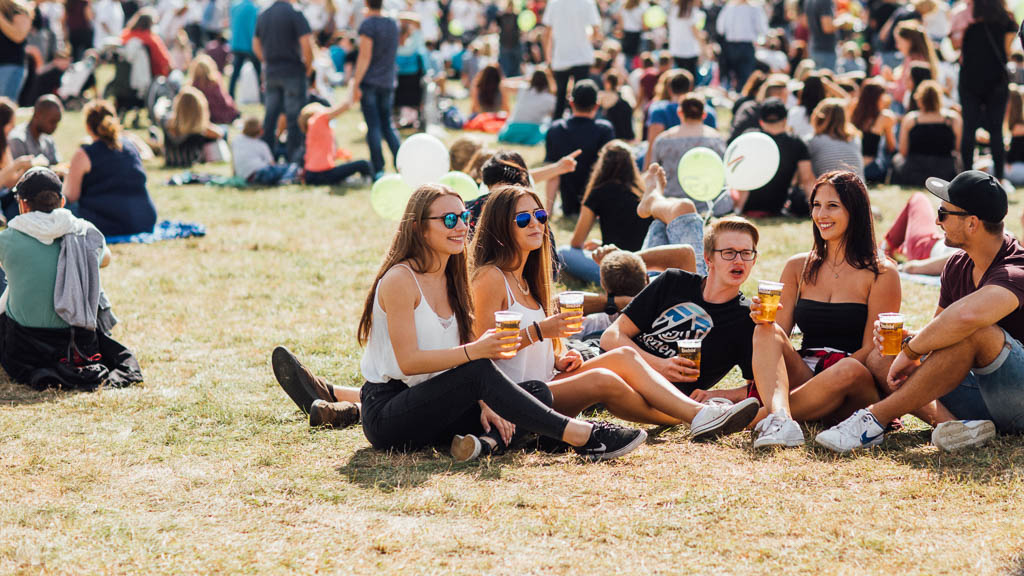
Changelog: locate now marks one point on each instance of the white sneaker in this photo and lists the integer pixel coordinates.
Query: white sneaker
(957, 434)
(720, 417)
(777, 430)
(861, 430)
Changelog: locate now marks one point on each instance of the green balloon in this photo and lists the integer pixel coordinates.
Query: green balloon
(455, 28)
(463, 184)
(655, 17)
(389, 196)
(527, 20)
(701, 174)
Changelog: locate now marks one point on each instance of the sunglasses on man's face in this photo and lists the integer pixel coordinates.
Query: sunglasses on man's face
(523, 218)
(943, 213)
(451, 219)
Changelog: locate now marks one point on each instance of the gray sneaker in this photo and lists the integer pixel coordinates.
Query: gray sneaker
(777, 430)
(957, 434)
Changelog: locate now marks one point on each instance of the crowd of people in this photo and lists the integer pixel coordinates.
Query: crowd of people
(853, 94)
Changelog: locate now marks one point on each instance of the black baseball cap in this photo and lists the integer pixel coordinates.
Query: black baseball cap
(36, 181)
(773, 110)
(584, 95)
(976, 192)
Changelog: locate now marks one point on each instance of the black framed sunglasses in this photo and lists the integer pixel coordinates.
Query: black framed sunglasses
(523, 218)
(943, 213)
(730, 254)
(451, 219)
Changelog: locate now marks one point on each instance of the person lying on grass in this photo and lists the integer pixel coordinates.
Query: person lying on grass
(969, 358)
(512, 272)
(427, 379)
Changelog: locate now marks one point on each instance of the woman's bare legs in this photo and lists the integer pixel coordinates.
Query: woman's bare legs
(778, 368)
(842, 389)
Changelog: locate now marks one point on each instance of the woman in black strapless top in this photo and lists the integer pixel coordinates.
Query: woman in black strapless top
(929, 139)
(839, 288)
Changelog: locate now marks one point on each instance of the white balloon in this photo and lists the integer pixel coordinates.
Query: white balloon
(422, 159)
(751, 161)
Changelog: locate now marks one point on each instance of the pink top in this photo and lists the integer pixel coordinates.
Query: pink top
(320, 149)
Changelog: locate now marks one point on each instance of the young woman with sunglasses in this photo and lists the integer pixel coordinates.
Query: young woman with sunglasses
(428, 379)
(512, 272)
(835, 293)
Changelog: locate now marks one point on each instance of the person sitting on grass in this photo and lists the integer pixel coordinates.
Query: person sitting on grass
(427, 379)
(623, 276)
(55, 320)
(969, 358)
(188, 130)
(321, 151)
(35, 137)
(106, 183)
(834, 293)
(680, 305)
(513, 272)
(254, 162)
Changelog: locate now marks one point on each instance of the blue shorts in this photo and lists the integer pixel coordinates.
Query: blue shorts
(994, 392)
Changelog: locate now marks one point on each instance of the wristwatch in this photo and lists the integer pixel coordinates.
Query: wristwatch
(910, 354)
(610, 308)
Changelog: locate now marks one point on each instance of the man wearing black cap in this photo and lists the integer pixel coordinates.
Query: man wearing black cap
(975, 361)
(794, 162)
(579, 132)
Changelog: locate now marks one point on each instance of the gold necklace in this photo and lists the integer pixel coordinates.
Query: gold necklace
(834, 268)
(526, 290)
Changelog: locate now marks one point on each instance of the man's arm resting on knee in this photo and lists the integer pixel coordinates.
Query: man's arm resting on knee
(965, 317)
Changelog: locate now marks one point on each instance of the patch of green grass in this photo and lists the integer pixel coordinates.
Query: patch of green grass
(209, 468)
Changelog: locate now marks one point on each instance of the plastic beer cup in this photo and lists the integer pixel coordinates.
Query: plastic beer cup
(690, 349)
(890, 325)
(770, 293)
(572, 302)
(507, 324)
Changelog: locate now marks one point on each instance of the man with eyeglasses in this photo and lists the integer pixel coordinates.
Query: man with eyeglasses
(969, 357)
(680, 305)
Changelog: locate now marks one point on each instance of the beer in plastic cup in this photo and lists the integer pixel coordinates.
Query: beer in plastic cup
(507, 325)
(890, 325)
(572, 302)
(769, 293)
(690, 349)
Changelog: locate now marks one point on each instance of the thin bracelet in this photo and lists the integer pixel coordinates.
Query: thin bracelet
(540, 337)
(466, 350)
(528, 337)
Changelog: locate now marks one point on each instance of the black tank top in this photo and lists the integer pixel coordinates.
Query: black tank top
(932, 139)
(837, 325)
(11, 52)
(1016, 151)
(869, 144)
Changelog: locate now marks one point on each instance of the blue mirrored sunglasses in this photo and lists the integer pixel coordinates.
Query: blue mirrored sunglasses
(451, 219)
(523, 218)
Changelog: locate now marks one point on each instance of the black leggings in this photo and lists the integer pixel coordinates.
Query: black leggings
(398, 417)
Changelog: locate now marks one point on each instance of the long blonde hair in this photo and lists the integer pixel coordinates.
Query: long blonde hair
(829, 118)
(190, 113)
(203, 69)
(408, 244)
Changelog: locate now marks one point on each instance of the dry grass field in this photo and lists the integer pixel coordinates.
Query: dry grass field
(209, 468)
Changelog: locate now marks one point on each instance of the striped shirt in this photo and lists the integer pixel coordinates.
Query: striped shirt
(828, 153)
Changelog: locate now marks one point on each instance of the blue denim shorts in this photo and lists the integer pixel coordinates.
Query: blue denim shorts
(994, 392)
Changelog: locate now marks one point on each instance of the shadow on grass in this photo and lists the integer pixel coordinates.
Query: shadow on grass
(390, 471)
(998, 461)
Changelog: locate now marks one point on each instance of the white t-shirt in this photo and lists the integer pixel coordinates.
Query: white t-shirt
(633, 20)
(568, 20)
(108, 20)
(467, 12)
(681, 41)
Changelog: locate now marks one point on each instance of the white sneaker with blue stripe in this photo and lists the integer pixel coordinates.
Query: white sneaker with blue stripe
(861, 430)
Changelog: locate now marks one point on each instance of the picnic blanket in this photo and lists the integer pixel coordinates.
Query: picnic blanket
(164, 230)
(189, 177)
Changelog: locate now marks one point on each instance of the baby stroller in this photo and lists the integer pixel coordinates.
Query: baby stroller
(132, 78)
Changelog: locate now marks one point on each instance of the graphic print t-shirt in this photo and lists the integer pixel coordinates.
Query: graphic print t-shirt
(672, 308)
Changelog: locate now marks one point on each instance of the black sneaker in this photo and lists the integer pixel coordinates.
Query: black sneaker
(609, 441)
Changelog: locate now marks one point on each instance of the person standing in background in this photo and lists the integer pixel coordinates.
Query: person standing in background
(821, 25)
(373, 83)
(15, 24)
(78, 27)
(740, 24)
(567, 43)
(243, 27)
(284, 43)
(107, 23)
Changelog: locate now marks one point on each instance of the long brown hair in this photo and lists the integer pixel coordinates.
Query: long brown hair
(869, 104)
(1015, 107)
(920, 44)
(488, 86)
(615, 163)
(7, 109)
(859, 239)
(408, 245)
(685, 8)
(101, 118)
(829, 117)
(494, 244)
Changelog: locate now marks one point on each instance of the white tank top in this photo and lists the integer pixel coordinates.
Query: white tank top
(432, 333)
(534, 362)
